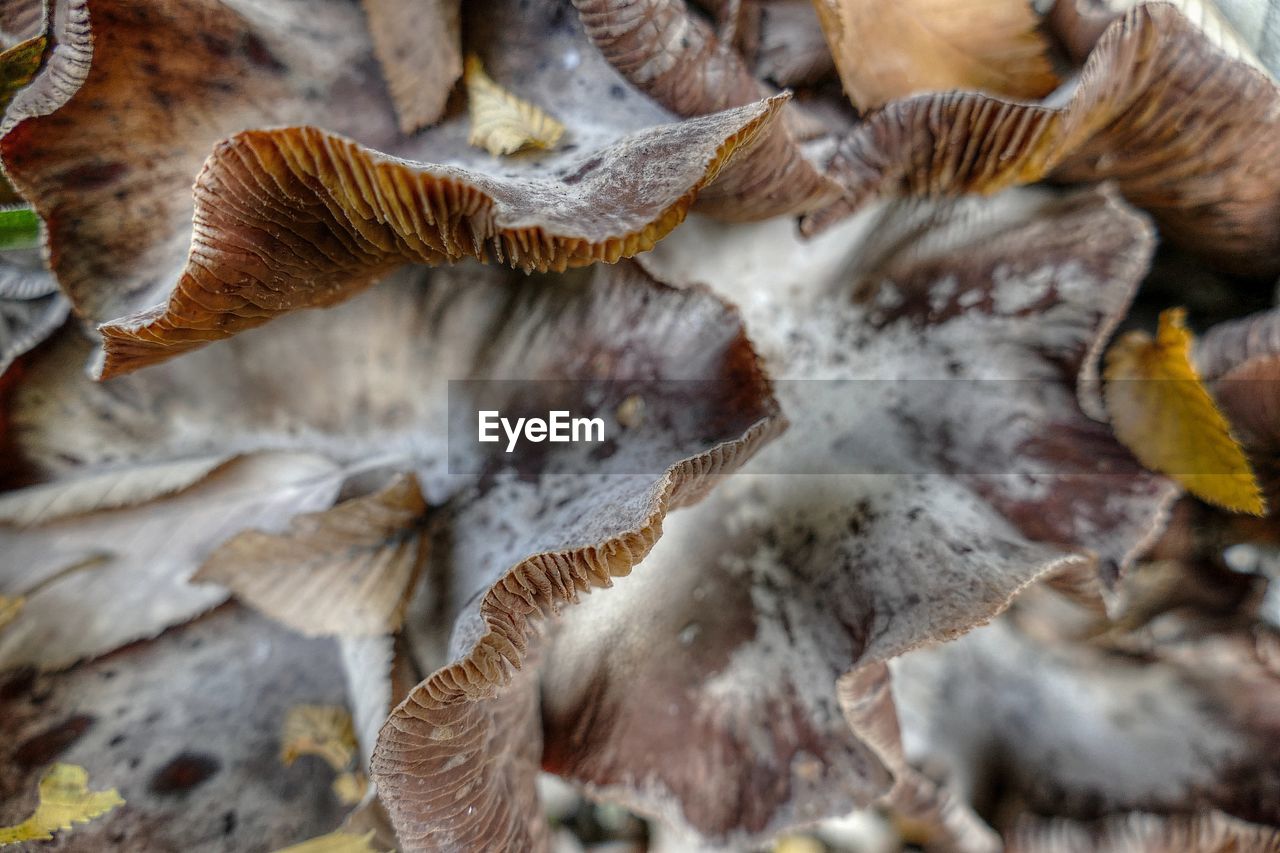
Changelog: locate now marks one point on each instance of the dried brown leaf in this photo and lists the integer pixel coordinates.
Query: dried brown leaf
(96, 581)
(110, 489)
(10, 607)
(888, 49)
(419, 48)
(350, 788)
(799, 844)
(18, 66)
(343, 571)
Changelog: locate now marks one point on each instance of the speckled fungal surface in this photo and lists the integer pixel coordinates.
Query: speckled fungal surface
(304, 306)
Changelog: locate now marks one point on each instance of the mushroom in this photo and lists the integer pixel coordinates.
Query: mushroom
(738, 458)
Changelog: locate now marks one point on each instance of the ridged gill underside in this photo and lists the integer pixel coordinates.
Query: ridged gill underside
(299, 218)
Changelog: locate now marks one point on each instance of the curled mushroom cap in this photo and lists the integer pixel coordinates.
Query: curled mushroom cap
(476, 716)
(127, 486)
(1245, 29)
(309, 212)
(702, 690)
(372, 214)
(1207, 832)
(31, 306)
(699, 75)
(1204, 164)
(1177, 724)
(792, 49)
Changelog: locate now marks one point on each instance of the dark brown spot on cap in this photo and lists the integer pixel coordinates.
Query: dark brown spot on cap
(185, 772)
(52, 742)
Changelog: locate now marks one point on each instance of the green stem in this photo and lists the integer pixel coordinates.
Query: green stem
(19, 228)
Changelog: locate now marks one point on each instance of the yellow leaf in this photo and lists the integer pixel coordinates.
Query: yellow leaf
(798, 844)
(501, 123)
(64, 800)
(630, 413)
(887, 49)
(323, 730)
(10, 608)
(913, 830)
(349, 788)
(18, 65)
(334, 842)
(1162, 412)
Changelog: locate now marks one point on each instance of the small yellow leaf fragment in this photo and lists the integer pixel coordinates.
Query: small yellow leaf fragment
(334, 842)
(799, 844)
(913, 830)
(323, 730)
(1162, 412)
(10, 608)
(349, 788)
(65, 799)
(630, 413)
(18, 66)
(501, 123)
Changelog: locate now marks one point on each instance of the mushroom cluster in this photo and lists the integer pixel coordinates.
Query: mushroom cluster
(933, 351)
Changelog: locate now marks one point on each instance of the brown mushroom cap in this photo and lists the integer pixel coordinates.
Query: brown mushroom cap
(300, 216)
(1188, 133)
(702, 690)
